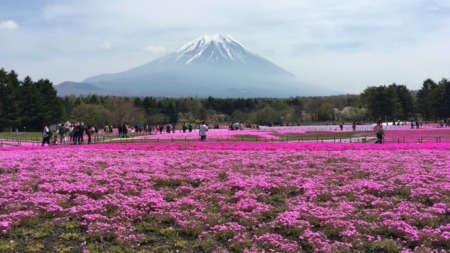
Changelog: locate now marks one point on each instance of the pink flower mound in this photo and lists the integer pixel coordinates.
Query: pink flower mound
(221, 134)
(244, 197)
(417, 134)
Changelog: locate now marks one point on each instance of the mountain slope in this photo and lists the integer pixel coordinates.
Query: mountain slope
(212, 65)
(74, 88)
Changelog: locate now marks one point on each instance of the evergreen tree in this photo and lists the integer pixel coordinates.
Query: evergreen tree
(440, 105)
(30, 105)
(381, 102)
(9, 100)
(171, 112)
(424, 99)
(405, 100)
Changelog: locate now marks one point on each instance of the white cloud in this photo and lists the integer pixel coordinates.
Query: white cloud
(8, 25)
(107, 44)
(155, 49)
(344, 43)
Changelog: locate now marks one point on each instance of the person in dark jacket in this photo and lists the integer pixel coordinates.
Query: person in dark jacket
(125, 130)
(80, 133)
(62, 134)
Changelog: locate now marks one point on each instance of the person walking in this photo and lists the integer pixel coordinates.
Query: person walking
(202, 131)
(46, 135)
(379, 131)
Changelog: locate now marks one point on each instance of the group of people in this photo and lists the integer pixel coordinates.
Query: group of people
(76, 133)
(124, 129)
(202, 129)
(444, 123)
(236, 126)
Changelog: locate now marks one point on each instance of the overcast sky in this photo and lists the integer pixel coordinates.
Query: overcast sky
(346, 45)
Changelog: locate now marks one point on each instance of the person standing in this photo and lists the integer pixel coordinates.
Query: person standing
(202, 131)
(125, 130)
(62, 134)
(379, 131)
(46, 135)
(71, 132)
(89, 134)
(80, 132)
(74, 133)
(354, 125)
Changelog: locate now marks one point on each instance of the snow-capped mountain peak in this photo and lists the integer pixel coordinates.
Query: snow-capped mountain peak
(211, 48)
(211, 65)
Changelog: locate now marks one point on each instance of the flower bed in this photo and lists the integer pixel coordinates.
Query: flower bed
(225, 197)
(392, 135)
(419, 135)
(223, 134)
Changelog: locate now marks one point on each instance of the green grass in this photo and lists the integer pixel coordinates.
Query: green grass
(248, 137)
(21, 135)
(323, 135)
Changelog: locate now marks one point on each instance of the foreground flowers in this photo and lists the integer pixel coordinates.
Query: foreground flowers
(226, 197)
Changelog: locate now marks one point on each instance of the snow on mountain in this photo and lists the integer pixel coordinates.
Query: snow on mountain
(216, 53)
(211, 65)
(212, 48)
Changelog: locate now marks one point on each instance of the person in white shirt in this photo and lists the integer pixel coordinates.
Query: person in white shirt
(202, 131)
(46, 136)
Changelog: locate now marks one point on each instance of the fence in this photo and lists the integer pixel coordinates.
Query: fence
(345, 127)
(104, 139)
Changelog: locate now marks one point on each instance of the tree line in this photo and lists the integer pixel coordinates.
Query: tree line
(25, 105)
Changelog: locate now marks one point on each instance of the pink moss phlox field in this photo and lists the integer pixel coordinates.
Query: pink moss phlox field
(408, 135)
(253, 197)
(418, 133)
(222, 134)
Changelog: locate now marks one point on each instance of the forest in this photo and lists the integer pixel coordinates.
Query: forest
(26, 105)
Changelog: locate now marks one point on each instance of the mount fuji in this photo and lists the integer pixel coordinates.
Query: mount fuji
(212, 65)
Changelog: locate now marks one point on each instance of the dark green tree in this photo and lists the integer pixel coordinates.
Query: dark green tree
(93, 99)
(405, 100)
(440, 105)
(9, 100)
(325, 112)
(31, 105)
(424, 99)
(381, 102)
(171, 112)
